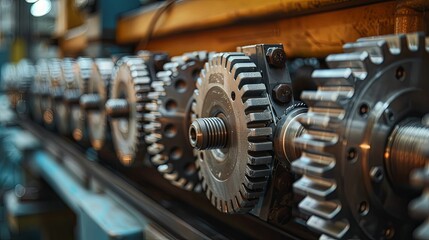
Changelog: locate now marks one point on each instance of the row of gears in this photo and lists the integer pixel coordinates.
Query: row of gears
(352, 137)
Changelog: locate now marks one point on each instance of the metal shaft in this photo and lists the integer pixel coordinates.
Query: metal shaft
(117, 108)
(90, 101)
(208, 133)
(407, 149)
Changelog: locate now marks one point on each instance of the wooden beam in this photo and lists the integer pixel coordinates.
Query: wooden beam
(313, 35)
(191, 15)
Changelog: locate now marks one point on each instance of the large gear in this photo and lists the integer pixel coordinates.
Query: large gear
(171, 108)
(233, 107)
(94, 100)
(377, 86)
(126, 108)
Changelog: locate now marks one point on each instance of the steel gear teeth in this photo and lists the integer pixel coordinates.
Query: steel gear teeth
(329, 106)
(134, 71)
(165, 135)
(251, 175)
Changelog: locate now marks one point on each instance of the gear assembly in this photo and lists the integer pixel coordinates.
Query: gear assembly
(263, 140)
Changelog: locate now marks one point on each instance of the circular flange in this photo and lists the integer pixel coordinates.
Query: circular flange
(230, 89)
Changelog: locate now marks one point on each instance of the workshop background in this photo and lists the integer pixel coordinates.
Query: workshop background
(214, 119)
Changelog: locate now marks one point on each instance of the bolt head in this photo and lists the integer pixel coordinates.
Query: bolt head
(276, 57)
(282, 93)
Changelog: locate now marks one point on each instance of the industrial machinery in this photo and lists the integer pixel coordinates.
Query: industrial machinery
(237, 144)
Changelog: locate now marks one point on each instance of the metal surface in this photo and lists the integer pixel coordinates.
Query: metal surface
(167, 135)
(378, 83)
(230, 88)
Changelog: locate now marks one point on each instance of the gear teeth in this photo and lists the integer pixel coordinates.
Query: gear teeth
(317, 188)
(333, 77)
(250, 90)
(314, 165)
(258, 117)
(316, 141)
(255, 171)
(256, 103)
(319, 122)
(328, 98)
(328, 210)
(337, 230)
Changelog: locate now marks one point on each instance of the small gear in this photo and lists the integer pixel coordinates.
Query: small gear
(376, 86)
(126, 108)
(171, 108)
(232, 132)
(94, 100)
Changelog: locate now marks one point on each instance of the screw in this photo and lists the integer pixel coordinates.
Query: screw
(282, 93)
(376, 174)
(276, 57)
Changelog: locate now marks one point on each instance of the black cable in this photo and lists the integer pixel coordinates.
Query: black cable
(145, 41)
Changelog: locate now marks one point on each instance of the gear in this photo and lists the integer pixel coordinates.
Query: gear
(171, 108)
(82, 68)
(36, 91)
(94, 100)
(126, 108)
(52, 111)
(232, 132)
(370, 90)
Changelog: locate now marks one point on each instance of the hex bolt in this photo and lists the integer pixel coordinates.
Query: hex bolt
(208, 133)
(117, 108)
(90, 101)
(276, 57)
(282, 93)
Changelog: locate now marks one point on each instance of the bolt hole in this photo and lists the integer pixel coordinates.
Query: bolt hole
(193, 134)
(170, 130)
(233, 96)
(352, 154)
(363, 208)
(176, 153)
(190, 168)
(364, 110)
(400, 73)
(171, 105)
(389, 232)
(180, 85)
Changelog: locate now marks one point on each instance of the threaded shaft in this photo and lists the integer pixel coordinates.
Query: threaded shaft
(208, 133)
(90, 101)
(408, 149)
(117, 108)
